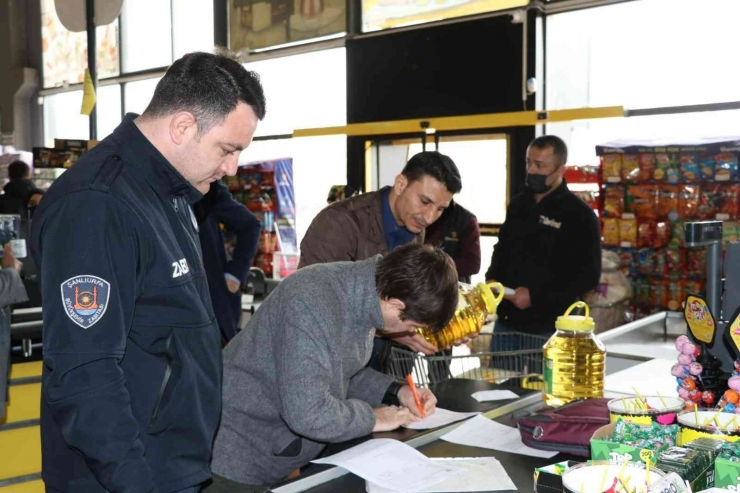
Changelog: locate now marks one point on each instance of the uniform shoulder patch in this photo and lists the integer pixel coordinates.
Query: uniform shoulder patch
(85, 299)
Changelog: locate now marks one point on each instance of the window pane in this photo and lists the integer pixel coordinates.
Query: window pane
(146, 33)
(65, 52)
(62, 118)
(483, 169)
(650, 53)
(139, 94)
(193, 26)
(380, 14)
(318, 163)
(296, 99)
(261, 24)
(108, 109)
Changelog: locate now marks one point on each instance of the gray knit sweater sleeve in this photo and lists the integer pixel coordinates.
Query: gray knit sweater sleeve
(304, 379)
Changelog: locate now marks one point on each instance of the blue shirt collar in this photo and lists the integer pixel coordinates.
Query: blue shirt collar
(395, 235)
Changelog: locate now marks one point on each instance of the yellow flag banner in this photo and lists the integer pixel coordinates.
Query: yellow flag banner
(88, 95)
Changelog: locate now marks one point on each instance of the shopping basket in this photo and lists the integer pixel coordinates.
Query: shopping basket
(516, 360)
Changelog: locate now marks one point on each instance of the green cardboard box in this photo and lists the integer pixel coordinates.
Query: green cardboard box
(727, 474)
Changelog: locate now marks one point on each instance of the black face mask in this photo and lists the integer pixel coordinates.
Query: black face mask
(537, 184)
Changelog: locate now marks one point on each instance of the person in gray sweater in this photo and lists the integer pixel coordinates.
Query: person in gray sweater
(296, 378)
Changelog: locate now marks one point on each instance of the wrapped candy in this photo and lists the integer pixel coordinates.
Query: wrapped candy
(695, 369)
(689, 349)
(734, 383)
(685, 359)
(678, 370)
(707, 398)
(680, 342)
(695, 396)
(731, 396)
(683, 393)
(688, 383)
(729, 408)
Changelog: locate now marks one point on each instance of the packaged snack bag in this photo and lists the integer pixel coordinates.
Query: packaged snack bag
(646, 234)
(706, 166)
(611, 168)
(662, 234)
(690, 170)
(630, 168)
(613, 201)
(676, 235)
(642, 289)
(709, 201)
(666, 168)
(644, 261)
(627, 232)
(668, 202)
(674, 296)
(695, 262)
(728, 202)
(659, 289)
(673, 261)
(647, 166)
(642, 200)
(729, 232)
(725, 167)
(688, 201)
(610, 231)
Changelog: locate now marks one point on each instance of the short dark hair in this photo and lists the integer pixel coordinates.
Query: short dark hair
(210, 86)
(436, 165)
(559, 149)
(18, 170)
(424, 279)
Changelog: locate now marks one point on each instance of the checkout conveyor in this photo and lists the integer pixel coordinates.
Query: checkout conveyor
(454, 395)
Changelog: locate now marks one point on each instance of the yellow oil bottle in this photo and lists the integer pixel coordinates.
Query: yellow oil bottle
(476, 303)
(573, 366)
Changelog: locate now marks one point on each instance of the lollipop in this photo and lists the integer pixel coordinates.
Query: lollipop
(695, 396)
(731, 396)
(708, 398)
(729, 408)
(683, 393)
(734, 383)
(680, 341)
(689, 384)
(689, 349)
(678, 371)
(695, 369)
(685, 359)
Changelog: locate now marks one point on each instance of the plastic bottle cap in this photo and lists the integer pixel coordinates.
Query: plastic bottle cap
(576, 323)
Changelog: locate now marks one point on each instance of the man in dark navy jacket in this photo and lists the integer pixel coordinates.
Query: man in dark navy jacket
(131, 386)
(225, 277)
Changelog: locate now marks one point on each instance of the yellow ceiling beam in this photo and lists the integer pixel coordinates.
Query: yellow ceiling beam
(469, 122)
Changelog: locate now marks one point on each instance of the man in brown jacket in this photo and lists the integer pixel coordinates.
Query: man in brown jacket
(377, 222)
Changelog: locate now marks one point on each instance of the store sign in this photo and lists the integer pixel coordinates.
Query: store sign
(700, 319)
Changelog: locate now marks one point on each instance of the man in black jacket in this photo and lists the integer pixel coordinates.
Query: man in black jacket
(131, 386)
(225, 276)
(549, 247)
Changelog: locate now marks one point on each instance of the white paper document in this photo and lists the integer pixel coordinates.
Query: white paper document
(648, 378)
(493, 395)
(479, 474)
(440, 417)
(485, 433)
(392, 464)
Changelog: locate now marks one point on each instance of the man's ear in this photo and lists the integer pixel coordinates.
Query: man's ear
(400, 183)
(396, 304)
(183, 127)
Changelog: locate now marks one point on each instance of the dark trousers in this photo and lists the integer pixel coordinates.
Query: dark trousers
(219, 484)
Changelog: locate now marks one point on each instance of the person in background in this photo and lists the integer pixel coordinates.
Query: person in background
(296, 379)
(377, 222)
(16, 191)
(226, 276)
(11, 292)
(549, 247)
(457, 233)
(131, 386)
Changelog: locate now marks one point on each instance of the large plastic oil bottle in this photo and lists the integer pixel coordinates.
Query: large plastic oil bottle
(476, 303)
(573, 366)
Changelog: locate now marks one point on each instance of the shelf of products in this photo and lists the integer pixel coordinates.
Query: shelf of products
(648, 192)
(266, 189)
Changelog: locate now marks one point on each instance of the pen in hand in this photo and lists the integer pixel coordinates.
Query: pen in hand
(410, 381)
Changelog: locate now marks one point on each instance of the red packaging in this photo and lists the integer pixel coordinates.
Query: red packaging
(647, 166)
(613, 201)
(728, 202)
(688, 201)
(709, 201)
(662, 234)
(646, 234)
(668, 202)
(643, 201)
